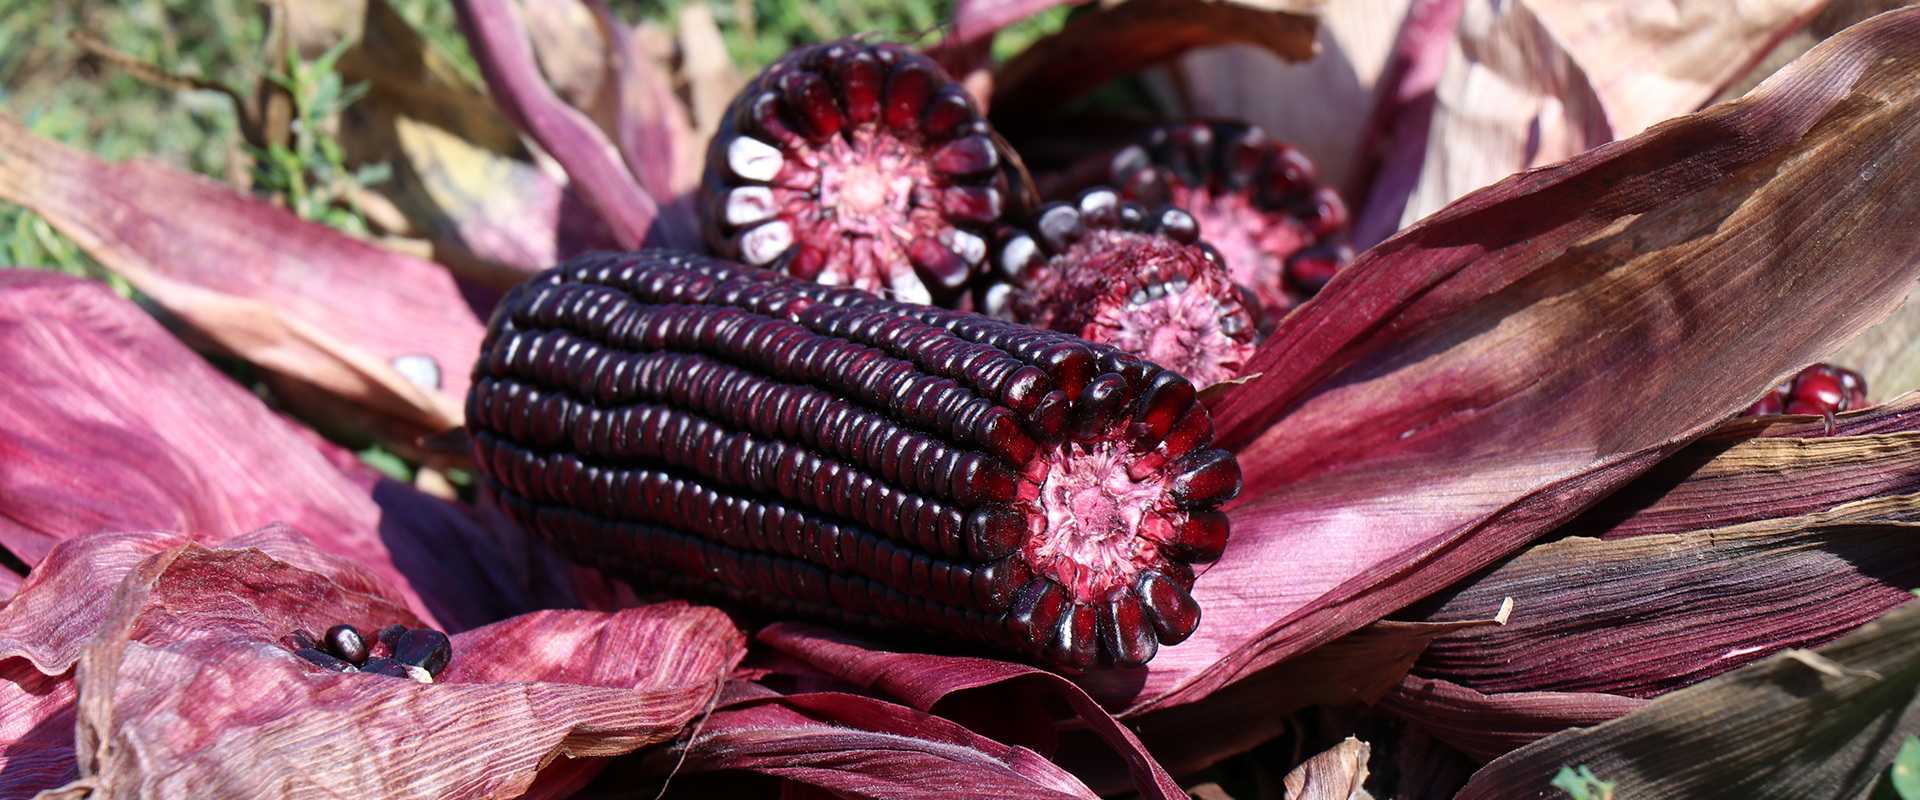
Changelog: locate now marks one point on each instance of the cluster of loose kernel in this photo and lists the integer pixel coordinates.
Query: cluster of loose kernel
(1108, 270)
(858, 164)
(714, 430)
(1819, 390)
(420, 654)
(1258, 199)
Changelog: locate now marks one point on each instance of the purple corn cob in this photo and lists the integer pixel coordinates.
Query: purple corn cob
(715, 430)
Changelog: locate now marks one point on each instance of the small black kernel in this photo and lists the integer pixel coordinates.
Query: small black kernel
(344, 641)
(425, 648)
(380, 665)
(324, 660)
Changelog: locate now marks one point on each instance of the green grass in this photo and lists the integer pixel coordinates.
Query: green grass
(81, 100)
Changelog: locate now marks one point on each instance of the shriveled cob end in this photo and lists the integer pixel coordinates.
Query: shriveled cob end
(1259, 200)
(1111, 271)
(717, 430)
(859, 163)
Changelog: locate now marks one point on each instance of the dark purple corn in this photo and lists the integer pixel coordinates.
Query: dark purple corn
(1108, 270)
(1259, 200)
(858, 164)
(420, 654)
(713, 430)
(1818, 390)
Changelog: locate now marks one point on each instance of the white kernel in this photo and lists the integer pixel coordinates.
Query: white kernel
(750, 204)
(999, 300)
(968, 246)
(762, 245)
(907, 288)
(753, 159)
(419, 369)
(1019, 252)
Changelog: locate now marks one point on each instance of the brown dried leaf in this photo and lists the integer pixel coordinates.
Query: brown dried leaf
(1719, 482)
(1337, 774)
(1321, 105)
(1648, 61)
(1510, 98)
(712, 80)
(1133, 35)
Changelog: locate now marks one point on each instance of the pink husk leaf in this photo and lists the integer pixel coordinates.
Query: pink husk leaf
(654, 133)
(51, 619)
(1483, 376)
(974, 20)
(295, 297)
(1650, 61)
(1532, 83)
(126, 429)
(1510, 97)
(191, 632)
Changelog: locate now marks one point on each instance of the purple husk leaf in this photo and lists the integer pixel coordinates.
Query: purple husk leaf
(600, 174)
(1128, 37)
(1694, 604)
(1800, 724)
(1390, 165)
(1355, 669)
(974, 20)
(924, 681)
(653, 131)
(1487, 726)
(1718, 482)
(861, 747)
(1483, 376)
